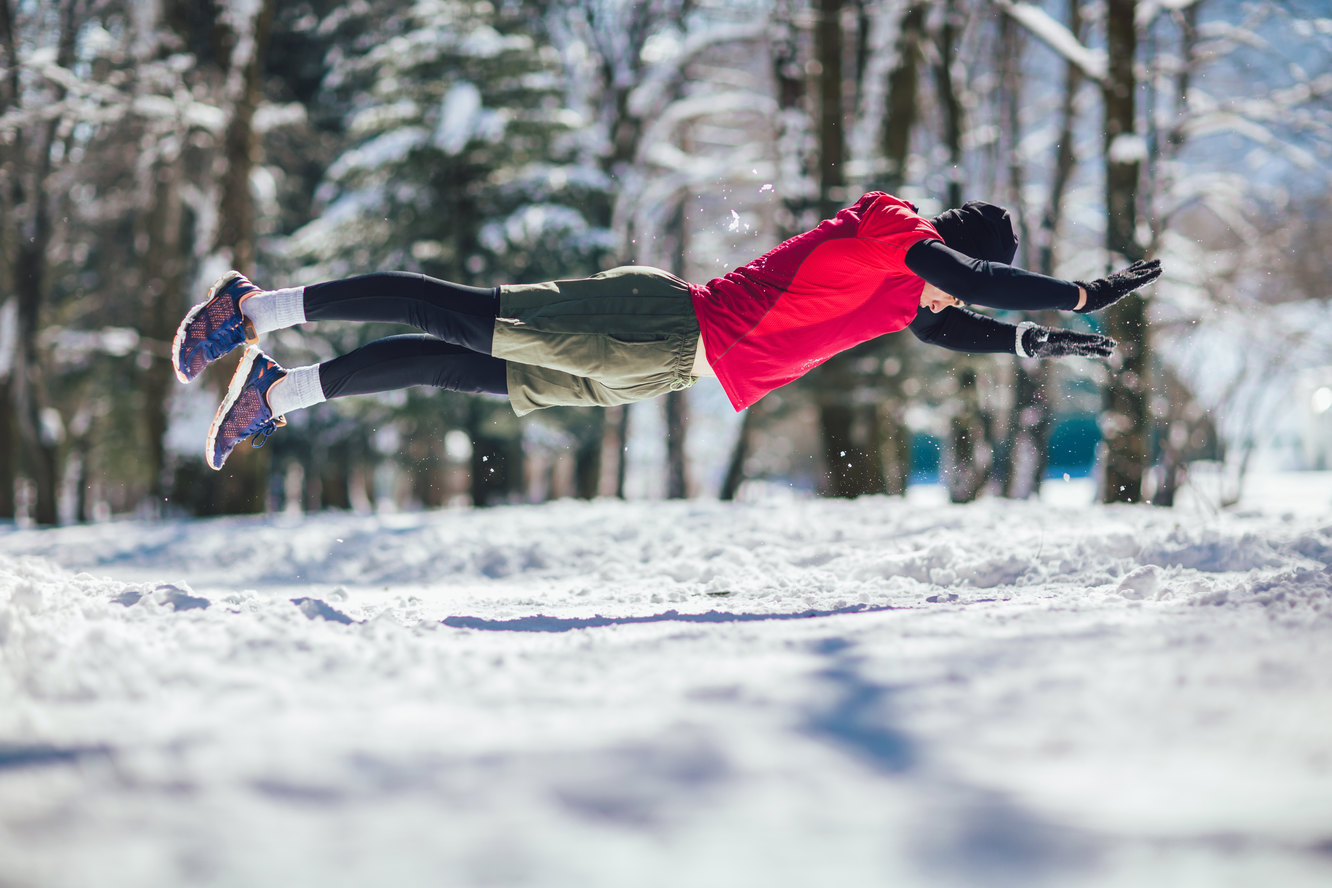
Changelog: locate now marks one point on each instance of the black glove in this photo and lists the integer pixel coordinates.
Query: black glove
(1051, 342)
(1103, 291)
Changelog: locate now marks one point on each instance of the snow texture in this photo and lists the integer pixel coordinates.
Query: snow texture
(459, 117)
(779, 692)
(1092, 62)
(1128, 148)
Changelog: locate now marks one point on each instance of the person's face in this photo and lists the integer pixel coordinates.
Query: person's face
(937, 300)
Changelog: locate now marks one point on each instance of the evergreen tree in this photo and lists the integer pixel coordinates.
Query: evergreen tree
(458, 162)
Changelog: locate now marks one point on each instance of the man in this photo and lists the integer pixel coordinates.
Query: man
(634, 332)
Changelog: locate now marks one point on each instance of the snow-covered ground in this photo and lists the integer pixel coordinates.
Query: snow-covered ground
(781, 692)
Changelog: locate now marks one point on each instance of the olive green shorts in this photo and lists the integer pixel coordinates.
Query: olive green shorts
(620, 336)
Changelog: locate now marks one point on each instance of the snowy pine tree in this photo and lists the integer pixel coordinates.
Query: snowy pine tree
(460, 162)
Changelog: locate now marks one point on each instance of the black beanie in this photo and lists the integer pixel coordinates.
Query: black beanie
(979, 229)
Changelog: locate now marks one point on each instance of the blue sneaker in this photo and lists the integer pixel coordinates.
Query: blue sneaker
(245, 411)
(214, 327)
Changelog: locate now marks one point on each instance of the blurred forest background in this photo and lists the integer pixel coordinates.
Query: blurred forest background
(148, 145)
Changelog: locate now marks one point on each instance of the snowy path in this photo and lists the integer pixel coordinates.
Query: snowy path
(663, 694)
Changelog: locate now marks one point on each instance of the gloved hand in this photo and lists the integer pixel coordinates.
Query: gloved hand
(1103, 291)
(1051, 342)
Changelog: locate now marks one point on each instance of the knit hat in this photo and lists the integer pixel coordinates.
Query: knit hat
(979, 229)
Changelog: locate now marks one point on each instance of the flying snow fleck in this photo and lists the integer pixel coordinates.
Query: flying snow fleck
(735, 222)
(767, 186)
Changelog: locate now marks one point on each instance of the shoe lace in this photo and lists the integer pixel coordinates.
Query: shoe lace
(259, 437)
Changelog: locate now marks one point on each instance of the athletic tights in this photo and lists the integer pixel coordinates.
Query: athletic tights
(458, 323)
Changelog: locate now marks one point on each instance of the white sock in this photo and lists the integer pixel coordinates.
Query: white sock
(276, 309)
(300, 388)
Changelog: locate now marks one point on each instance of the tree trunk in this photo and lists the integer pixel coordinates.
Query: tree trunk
(1028, 443)
(903, 89)
(39, 444)
(968, 451)
(31, 198)
(1126, 419)
(614, 470)
(677, 422)
(790, 129)
(7, 452)
(677, 403)
(163, 279)
(852, 461)
(588, 456)
(951, 102)
(735, 466)
(832, 138)
(495, 473)
(899, 122)
(895, 450)
(1033, 421)
(970, 448)
(240, 146)
(1173, 428)
(330, 483)
(1065, 159)
(490, 471)
(10, 162)
(247, 485)
(853, 467)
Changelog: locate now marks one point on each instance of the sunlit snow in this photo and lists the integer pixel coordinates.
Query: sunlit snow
(778, 692)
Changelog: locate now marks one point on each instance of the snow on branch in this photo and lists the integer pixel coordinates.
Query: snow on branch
(1148, 10)
(1092, 62)
(95, 102)
(702, 170)
(661, 129)
(1230, 122)
(650, 92)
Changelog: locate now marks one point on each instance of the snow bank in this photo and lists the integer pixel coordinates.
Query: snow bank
(775, 693)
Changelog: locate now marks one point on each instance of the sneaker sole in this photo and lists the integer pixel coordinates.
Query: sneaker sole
(234, 389)
(190, 316)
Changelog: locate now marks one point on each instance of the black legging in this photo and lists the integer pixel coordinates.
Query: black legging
(455, 356)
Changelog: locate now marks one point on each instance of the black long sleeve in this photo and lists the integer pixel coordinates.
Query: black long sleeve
(993, 284)
(964, 331)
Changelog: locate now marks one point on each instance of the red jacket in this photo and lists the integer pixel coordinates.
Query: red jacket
(819, 293)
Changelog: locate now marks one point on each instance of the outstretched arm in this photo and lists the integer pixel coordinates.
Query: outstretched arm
(965, 331)
(997, 285)
(993, 284)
